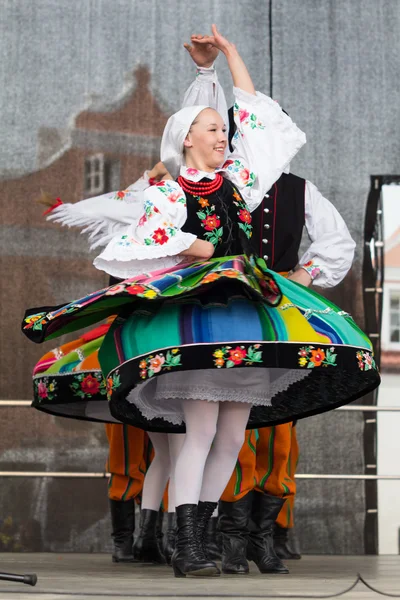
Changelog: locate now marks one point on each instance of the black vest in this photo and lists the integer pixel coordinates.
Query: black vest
(278, 223)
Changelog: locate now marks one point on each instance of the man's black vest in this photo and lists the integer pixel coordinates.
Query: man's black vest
(278, 223)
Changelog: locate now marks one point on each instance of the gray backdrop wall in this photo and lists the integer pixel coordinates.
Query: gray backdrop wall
(334, 69)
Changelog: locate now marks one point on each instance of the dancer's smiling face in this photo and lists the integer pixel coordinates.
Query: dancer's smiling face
(206, 142)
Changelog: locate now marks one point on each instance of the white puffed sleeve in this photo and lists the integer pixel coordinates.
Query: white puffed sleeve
(155, 240)
(265, 142)
(103, 217)
(206, 90)
(331, 253)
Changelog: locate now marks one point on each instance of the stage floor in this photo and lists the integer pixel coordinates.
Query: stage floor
(94, 576)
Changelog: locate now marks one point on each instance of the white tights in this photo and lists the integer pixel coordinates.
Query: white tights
(214, 435)
(166, 450)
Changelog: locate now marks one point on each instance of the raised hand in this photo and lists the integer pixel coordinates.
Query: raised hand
(240, 75)
(216, 40)
(203, 55)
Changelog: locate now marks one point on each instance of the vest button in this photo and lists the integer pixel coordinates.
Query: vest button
(265, 241)
(266, 226)
(266, 210)
(265, 257)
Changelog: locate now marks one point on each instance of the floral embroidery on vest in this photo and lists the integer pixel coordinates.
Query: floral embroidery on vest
(209, 221)
(243, 214)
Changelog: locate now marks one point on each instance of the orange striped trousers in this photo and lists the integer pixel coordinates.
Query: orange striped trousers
(130, 453)
(267, 462)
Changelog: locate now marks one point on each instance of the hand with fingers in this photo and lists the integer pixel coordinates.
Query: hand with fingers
(203, 55)
(240, 75)
(216, 41)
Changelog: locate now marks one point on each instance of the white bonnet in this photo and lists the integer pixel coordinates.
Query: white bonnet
(175, 132)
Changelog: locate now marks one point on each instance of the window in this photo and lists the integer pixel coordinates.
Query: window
(395, 317)
(94, 175)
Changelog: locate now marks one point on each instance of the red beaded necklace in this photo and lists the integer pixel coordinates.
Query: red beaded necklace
(201, 188)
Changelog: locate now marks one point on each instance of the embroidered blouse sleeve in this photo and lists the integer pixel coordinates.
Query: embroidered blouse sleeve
(103, 217)
(331, 253)
(156, 234)
(265, 141)
(207, 90)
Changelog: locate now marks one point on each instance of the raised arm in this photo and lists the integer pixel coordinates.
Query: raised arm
(240, 75)
(205, 89)
(266, 139)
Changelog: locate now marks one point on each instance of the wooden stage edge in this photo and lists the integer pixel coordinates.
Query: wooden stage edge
(94, 576)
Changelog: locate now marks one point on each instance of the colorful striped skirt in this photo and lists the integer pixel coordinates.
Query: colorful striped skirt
(224, 330)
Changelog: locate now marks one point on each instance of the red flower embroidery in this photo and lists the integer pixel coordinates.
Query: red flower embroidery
(227, 163)
(243, 114)
(142, 220)
(317, 356)
(135, 289)
(90, 385)
(211, 222)
(121, 194)
(245, 216)
(174, 196)
(237, 355)
(160, 236)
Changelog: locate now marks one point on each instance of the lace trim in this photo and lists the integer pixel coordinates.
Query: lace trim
(174, 414)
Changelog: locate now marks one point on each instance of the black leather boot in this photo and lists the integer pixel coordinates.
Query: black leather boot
(260, 548)
(207, 529)
(123, 526)
(233, 523)
(281, 544)
(146, 548)
(188, 557)
(169, 538)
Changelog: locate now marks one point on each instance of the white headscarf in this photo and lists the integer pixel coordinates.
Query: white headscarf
(174, 135)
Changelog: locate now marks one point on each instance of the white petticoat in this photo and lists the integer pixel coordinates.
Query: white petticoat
(162, 396)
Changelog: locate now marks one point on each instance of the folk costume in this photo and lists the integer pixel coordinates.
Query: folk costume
(200, 328)
(226, 330)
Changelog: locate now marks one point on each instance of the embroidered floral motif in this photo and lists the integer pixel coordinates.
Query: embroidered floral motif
(113, 383)
(168, 188)
(45, 389)
(154, 364)
(312, 269)
(247, 118)
(191, 171)
(366, 361)
(115, 289)
(232, 357)
(126, 241)
(210, 221)
(35, 322)
(161, 235)
(243, 214)
(311, 357)
(88, 385)
(246, 176)
(121, 194)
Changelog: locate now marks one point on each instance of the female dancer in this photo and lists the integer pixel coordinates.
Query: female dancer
(198, 345)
